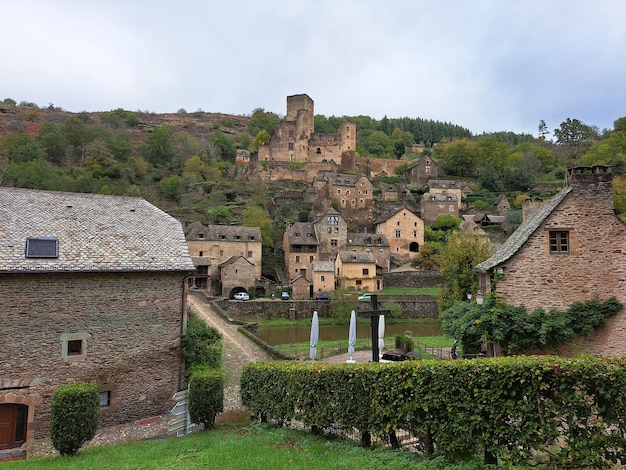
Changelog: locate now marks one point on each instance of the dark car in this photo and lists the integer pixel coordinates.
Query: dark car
(322, 296)
(284, 295)
(393, 357)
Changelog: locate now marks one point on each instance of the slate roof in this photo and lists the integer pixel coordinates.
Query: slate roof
(324, 266)
(199, 232)
(523, 232)
(95, 233)
(233, 260)
(383, 218)
(367, 239)
(302, 233)
(356, 257)
(439, 197)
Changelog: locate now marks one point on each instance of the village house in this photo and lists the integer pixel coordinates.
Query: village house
(357, 272)
(352, 192)
(92, 289)
(424, 170)
(432, 205)
(323, 276)
(404, 230)
(215, 247)
(295, 140)
(570, 249)
(502, 205)
(374, 243)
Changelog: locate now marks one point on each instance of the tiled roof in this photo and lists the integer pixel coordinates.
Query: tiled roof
(356, 257)
(385, 217)
(95, 233)
(196, 231)
(523, 232)
(367, 239)
(302, 233)
(323, 266)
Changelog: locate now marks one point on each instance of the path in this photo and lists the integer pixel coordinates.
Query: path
(238, 349)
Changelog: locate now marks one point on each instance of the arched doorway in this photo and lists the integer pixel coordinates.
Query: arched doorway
(414, 247)
(13, 425)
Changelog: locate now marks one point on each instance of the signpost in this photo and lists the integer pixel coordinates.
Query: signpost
(180, 423)
(373, 315)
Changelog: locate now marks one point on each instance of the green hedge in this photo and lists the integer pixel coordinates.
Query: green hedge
(523, 410)
(206, 396)
(74, 416)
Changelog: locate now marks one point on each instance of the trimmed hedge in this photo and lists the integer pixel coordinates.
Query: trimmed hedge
(206, 396)
(524, 410)
(74, 416)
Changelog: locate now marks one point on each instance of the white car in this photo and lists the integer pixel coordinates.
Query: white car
(241, 296)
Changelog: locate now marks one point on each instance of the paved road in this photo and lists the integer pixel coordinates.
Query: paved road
(238, 349)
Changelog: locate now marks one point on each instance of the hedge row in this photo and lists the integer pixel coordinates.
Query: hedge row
(562, 412)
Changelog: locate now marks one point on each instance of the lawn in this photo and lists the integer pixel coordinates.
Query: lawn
(230, 446)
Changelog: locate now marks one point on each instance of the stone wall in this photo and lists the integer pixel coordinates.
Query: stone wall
(130, 323)
(415, 279)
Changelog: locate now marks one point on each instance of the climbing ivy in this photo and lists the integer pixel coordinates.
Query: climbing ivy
(516, 330)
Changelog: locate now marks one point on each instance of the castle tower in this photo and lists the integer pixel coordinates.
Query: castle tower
(297, 102)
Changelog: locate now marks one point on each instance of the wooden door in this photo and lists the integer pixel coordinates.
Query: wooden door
(12, 425)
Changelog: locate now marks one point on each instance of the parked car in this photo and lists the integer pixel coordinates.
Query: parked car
(393, 357)
(241, 296)
(284, 295)
(322, 296)
(367, 296)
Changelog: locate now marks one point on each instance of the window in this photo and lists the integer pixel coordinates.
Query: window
(74, 346)
(398, 233)
(311, 259)
(105, 398)
(559, 242)
(319, 150)
(221, 252)
(329, 230)
(201, 235)
(291, 133)
(42, 247)
(359, 282)
(249, 254)
(366, 272)
(297, 259)
(336, 229)
(333, 242)
(322, 278)
(290, 145)
(414, 233)
(201, 253)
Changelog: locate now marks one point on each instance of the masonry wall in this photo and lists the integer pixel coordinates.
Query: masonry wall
(132, 325)
(595, 268)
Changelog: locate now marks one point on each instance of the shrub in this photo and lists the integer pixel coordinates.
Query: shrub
(202, 345)
(74, 416)
(206, 396)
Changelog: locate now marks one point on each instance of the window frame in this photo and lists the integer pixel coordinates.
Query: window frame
(559, 242)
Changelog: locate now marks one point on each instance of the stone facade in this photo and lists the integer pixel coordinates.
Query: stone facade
(572, 248)
(357, 271)
(295, 140)
(404, 230)
(92, 289)
(426, 170)
(212, 245)
(236, 274)
(432, 205)
(323, 276)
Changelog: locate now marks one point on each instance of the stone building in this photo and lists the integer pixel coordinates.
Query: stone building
(426, 169)
(295, 140)
(432, 205)
(92, 289)
(237, 274)
(350, 192)
(502, 205)
(570, 249)
(211, 246)
(357, 271)
(374, 243)
(323, 276)
(404, 230)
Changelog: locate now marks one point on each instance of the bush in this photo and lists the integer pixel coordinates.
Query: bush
(202, 345)
(74, 416)
(206, 396)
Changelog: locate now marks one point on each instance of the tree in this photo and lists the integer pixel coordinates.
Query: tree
(160, 146)
(378, 144)
(76, 134)
(491, 152)
(458, 157)
(460, 254)
(262, 120)
(53, 142)
(254, 216)
(225, 144)
(542, 130)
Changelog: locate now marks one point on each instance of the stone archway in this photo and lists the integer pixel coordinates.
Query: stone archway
(17, 416)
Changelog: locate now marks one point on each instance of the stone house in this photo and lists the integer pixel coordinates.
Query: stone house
(447, 187)
(570, 249)
(351, 192)
(357, 271)
(502, 205)
(236, 274)
(92, 289)
(426, 169)
(295, 140)
(301, 247)
(323, 276)
(432, 205)
(374, 243)
(404, 230)
(301, 288)
(211, 246)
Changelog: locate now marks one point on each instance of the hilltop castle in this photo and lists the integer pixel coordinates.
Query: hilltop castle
(295, 140)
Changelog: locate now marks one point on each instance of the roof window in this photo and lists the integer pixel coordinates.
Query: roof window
(42, 247)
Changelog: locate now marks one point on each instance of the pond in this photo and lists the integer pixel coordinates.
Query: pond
(289, 334)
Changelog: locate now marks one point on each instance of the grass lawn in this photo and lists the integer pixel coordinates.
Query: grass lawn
(230, 446)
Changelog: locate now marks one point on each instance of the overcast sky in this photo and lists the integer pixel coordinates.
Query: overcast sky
(487, 65)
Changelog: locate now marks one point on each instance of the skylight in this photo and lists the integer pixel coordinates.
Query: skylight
(42, 247)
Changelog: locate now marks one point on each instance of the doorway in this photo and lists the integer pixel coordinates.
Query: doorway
(13, 419)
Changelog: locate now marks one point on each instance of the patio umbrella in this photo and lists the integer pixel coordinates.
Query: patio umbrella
(315, 333)
(352, 337)
(381, 334)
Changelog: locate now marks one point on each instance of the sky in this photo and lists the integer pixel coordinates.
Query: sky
(486, 65)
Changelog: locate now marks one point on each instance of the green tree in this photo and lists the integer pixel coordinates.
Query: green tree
(76, 134)
(53, 142)
(219, 215)
(379, 144)
(254, 216)
(160, 146)
(460, 254)
(458, 157)
(491, 152)
(262, 121)
(225, 144)
(171, 186)
(20, 148)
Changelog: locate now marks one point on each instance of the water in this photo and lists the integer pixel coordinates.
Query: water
(274, 335)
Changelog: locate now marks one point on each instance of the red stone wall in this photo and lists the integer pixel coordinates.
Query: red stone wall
(133, 323)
